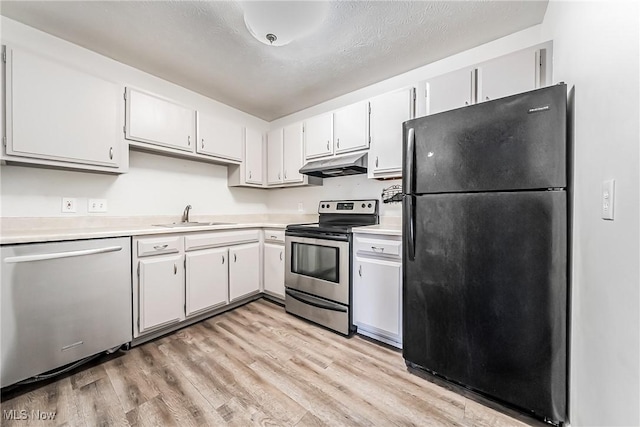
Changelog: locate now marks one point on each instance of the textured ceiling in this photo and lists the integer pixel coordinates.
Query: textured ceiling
(205, 46)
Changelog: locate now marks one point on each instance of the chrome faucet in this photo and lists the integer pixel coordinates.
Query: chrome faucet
(185, 214)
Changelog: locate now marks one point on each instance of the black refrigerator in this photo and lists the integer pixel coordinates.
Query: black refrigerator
(485, 249)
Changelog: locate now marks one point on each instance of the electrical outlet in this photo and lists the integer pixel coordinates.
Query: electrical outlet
(97, 205)
(608, 197)
(68, 205)
(300, 207)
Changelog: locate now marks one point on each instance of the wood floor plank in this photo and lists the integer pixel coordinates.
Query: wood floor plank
(253, 366)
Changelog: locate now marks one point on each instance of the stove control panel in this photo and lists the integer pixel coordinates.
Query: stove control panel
(369, 206)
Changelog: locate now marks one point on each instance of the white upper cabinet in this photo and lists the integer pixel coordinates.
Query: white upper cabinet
(351, 128)
(451, 90)
(293, 153)
(274, 157)
(318, 134)
(253, 156)
(57, 115)
(388, 112)
(219, 138)
(508, 75)
(158, 121)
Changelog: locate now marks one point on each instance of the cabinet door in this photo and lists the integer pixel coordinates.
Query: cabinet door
(219, 137)
(55, 112)
(451, 90)
(207, 283)
(377, 296)
(158, 121)
(508, 75)
(351, 128)
(293, 153)
(274, 157)
(244, 270)
(161, 291)
(253, 156)
(274, 269)
(388, 112)
(318, 136)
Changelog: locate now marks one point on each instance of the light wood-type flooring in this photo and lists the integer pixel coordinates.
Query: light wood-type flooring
(255, 365)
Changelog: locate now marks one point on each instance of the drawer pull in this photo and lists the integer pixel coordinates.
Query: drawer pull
(160, 247)
(175, 269)
(274, 237)
(376, 249)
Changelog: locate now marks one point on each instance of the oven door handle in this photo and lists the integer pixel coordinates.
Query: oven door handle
(318, 236)
(314, 302)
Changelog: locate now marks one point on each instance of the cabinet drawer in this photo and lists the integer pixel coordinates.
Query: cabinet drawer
(160, 245)
(378, 247)
(210, 240)
(274, 236)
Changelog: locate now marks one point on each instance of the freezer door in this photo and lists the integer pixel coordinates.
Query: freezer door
(513, 143)
(485, 297)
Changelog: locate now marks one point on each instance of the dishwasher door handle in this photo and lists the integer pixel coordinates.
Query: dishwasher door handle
(58, 255)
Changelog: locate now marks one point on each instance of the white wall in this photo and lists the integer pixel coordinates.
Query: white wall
(154, 185)
(596, 52)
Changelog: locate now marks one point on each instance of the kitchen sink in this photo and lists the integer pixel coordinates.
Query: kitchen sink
(190, 224)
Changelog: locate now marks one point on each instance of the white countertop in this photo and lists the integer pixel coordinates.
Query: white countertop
(31, 230)
(388, 229)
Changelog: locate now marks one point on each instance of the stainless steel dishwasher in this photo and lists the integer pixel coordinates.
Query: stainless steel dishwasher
(62, 302)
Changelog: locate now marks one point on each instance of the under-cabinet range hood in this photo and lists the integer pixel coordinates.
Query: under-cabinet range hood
(336, 166)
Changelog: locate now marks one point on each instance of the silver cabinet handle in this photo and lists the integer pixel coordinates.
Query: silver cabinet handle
(235, 258)
(111, 153)
(44, 257)
(285, 175)
(338, 142)
(466, 102)
(280, 255)
(274, 237)
(223, 259)
(202, 142)
(486, 98)
(175, 269)
(360, 271)
(249, 174)
(327, 145)
(376, 161)
(188, 139)
(279, 175)
(160, 247)
(375, 249)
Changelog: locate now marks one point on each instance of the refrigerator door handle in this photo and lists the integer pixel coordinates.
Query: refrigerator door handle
(409, 225)
(410, 155)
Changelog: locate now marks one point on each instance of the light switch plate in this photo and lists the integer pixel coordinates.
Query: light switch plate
(607, 199)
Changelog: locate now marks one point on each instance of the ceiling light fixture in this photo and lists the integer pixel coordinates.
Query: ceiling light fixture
(277, 23)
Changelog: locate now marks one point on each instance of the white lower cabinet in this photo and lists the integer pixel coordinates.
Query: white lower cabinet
(377, 288)
(207, 278)
(244, 270)
(274, 269)
(184, 276)
(161, 291)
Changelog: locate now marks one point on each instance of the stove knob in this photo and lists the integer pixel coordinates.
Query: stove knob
(322, 205)
(369, 205)
(363, 205)
(327, 205)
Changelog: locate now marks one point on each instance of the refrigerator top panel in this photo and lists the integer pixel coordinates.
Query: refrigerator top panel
(512, 143)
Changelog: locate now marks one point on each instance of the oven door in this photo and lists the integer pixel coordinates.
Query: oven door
(318, 266)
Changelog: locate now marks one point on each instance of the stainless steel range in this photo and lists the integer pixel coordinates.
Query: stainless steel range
(318, 263)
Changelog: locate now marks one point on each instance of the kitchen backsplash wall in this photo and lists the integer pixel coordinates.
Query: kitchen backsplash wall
(287, 200)
(154, 185)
